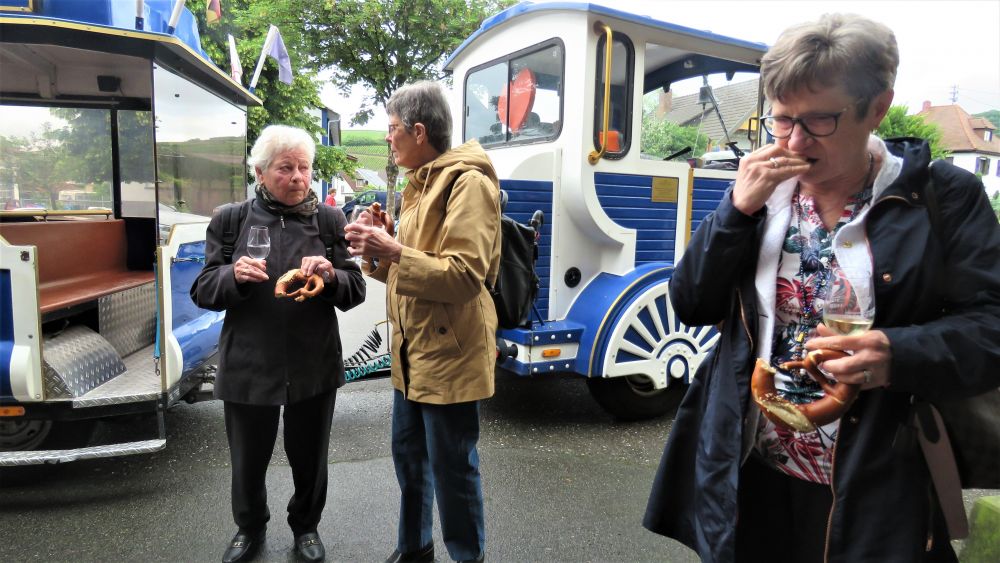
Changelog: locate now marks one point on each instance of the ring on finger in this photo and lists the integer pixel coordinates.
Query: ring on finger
(774, 162)
(868, 375)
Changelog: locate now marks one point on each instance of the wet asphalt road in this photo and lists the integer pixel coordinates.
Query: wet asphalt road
(561, 479)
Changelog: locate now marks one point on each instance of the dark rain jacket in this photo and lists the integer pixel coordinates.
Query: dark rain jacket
(277, 351)
(943, 324)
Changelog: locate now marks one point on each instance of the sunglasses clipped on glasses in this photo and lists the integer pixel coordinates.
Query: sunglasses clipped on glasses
(816, 125)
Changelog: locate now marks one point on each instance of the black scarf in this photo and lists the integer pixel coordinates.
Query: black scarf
(307, 207)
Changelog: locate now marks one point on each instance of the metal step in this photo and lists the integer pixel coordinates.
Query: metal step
(10, 459)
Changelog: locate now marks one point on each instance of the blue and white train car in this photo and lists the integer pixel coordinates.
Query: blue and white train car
(95, 317)
(556, 92)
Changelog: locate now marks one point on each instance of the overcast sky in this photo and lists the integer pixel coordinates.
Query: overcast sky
(944, 45)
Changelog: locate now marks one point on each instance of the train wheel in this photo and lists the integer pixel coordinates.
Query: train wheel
(21, 435)
(650, 358)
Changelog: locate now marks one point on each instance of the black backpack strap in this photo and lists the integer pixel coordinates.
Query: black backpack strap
(327, 224)
(233, 216)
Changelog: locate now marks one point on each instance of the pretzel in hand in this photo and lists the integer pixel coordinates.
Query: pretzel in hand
(304, 287)
(809, 416)
(376, 210)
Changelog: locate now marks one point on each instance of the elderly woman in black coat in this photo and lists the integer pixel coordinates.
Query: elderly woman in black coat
(828, 203)
(279, 353)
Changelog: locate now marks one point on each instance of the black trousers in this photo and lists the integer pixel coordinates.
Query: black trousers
(780, 518)
(252, 430)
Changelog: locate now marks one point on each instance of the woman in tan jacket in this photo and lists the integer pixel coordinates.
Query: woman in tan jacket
(443, 320)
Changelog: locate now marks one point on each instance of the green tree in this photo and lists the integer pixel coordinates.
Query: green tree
(995, 202)
(897, 124)
(384, 44)
(993, 116)
(289, 104)
(663, 138)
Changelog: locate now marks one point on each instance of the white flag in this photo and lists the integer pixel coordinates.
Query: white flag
(274, 47)
(236, 69)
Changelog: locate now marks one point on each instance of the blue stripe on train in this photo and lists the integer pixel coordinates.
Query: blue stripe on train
(6, 334)
(523, 198)
(628, 201)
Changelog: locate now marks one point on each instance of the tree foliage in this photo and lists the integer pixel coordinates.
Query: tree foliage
(662, 138)
(898, 124)
(995, 202)
(384, 44)
(993, 116)
(289, 104)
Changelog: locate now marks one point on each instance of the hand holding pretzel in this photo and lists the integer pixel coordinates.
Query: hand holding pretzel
(808, 416)
(372, 236)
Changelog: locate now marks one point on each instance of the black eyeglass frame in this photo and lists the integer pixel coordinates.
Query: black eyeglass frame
(801, 121)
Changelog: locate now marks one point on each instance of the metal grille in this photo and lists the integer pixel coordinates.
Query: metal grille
(128, 318)
(80, 360)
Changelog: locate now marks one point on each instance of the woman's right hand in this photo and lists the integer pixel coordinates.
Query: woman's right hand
(760, 173)
(247, 269)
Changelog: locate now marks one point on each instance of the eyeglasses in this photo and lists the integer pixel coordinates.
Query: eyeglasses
(393, 127)
(816, 125)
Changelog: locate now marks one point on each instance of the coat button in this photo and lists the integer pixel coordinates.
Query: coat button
(853, 420)
(914, 195)
(887, 277)
(442, 330)
(847, 244)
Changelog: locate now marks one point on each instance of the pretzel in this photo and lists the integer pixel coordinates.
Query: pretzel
(304, 287)
(376, 210)
(809, 416)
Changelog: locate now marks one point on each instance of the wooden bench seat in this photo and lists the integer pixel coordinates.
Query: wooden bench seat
(78, 260)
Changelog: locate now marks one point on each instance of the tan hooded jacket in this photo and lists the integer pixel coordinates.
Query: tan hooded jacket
(443, 319)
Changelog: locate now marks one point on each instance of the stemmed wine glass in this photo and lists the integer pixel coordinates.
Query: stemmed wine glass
(850, 306)
(259, 243)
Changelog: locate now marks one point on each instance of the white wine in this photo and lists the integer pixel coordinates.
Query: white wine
(847, 325)
(258, 252)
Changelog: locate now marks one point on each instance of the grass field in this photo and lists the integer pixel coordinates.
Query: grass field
(369, 147)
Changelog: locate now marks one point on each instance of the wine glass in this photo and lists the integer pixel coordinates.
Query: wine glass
(259, 243)
(850, 305)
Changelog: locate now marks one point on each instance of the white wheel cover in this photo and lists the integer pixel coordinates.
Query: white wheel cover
(649, 341)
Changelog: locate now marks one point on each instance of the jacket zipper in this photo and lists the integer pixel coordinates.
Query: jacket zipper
(282, 217)
(746, 325)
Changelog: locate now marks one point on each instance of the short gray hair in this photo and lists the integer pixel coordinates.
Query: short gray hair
(423, 102)
(846, 49)
(276, 139)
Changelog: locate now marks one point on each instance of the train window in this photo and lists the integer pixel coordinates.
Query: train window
(698, 108)
(55, 158)
(517, 99)
(200, 146)
(620, 110)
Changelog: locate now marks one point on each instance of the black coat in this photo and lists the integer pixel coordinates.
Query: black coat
(943, 324)
(277, 351)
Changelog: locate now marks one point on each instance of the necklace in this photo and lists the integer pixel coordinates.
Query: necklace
(808, 315)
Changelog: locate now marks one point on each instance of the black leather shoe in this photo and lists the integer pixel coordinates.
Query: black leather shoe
(423, 555)
(310, 547)
(243, 547)
(480, 559)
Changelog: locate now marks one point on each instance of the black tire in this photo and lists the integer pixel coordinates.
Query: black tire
(634, 397)
(26, 435)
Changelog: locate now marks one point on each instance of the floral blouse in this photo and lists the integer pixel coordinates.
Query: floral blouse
(805, 271)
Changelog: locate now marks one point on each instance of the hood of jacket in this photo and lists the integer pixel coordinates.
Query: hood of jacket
(452, 164)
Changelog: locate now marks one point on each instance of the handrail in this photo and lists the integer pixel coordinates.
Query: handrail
(599, 28)
(46, 213)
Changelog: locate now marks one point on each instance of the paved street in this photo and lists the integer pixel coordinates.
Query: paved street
(563, 482)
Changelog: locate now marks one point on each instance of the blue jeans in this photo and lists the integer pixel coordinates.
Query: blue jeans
(434, 450)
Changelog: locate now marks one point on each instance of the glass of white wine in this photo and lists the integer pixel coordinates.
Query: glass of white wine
(850, 305)
(259, 243)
